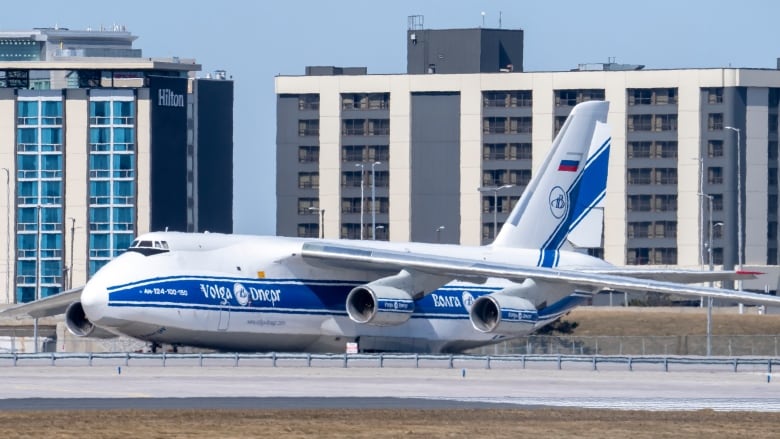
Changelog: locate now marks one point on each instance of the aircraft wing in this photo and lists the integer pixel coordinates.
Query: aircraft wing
(338, 255)
(676, 275)
(48, 306)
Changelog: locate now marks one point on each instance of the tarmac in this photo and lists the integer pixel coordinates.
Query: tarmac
(100, 387)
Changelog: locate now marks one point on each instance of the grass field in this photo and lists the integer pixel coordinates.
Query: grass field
(659, 321)
(585, 424)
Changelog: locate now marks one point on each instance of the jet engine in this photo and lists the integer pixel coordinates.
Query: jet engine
(380, 305)
(503, 314)
(77, 322)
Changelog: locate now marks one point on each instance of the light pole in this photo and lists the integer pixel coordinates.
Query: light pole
(710, 262)
(362, 167)
(739, 207)
(72, 239)
(373, 201)
(438, 234)
(321, 218)
(495, 190)
(7, 235)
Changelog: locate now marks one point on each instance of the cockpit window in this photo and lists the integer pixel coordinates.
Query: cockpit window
(148, 248)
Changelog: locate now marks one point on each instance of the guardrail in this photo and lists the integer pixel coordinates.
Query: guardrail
(273, 359)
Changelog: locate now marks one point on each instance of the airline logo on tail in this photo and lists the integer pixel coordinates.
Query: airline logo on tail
(558, 202)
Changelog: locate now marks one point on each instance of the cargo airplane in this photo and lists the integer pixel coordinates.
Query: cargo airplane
(258, 293)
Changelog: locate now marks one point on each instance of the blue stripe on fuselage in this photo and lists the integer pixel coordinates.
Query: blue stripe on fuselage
(287, 296)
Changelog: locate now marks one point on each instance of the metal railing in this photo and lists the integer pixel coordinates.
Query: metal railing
(273, 359)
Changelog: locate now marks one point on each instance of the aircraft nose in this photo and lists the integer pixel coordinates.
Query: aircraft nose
(94, 299)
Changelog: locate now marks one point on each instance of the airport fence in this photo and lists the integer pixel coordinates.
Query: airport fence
(459, 361)
(721, 345)
(695, 345)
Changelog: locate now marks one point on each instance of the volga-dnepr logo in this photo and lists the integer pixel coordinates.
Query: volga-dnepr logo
(167, 98)
(558, 202)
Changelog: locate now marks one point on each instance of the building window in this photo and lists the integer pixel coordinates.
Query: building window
(308, 206)
(772, 150)
(714, 148)
(717, 202)
(639, 150)
(309, 230)
(666, 122)
(350, 205)
(771, 204)
(714, 95)
(494, 125)
(772, 177)
(353, 127)
(309, 102)
(378, 153)
(353, 153)
(351, 231)
(641, 96)
(652, 203)
(365, 101)
(665, 229)
(309, 180)
(715, 175)
(665, 176)
(638, 176)
(665, 203)
(773, 124)
(365, 127)
(506, 151)
(656, 256)
(39, 195)
(640, 122)
(639, 203)
(638, 229)
(558, 124)
(571, 98)
(715, 121)
(652, 96)
(308, 154)
(351, 179)
(309, 127)
(507, 99)
(379, 127)
(666, 150)
(112, 187)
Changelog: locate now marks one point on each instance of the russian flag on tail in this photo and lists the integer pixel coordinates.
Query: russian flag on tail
(569, 165)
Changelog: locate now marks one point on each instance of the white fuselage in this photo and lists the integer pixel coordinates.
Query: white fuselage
(233, 292)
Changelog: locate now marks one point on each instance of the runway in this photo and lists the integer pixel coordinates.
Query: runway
(33, 387)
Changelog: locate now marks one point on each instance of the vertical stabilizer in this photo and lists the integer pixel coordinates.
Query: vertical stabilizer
(570, 183)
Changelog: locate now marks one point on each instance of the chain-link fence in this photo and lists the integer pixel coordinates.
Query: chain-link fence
(721, 345)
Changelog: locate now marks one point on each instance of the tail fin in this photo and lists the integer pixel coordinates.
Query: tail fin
(570, 183)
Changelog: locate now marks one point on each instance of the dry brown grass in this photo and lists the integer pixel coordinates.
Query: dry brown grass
(584, 424)
(669, 321)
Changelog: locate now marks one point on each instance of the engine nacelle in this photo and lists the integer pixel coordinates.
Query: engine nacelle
(503, 314)
(77, 322)
(379, 305)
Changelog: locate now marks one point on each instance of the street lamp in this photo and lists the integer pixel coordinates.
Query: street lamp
(321, 222)
(495, 190)
(438, 234)
(373, 202)
(709, 260)
(362, 167)
(739, 205)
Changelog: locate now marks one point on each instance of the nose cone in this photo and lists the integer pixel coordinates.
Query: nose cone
(94, 299)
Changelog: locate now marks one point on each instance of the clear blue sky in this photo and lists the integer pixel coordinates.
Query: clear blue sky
(255, 41)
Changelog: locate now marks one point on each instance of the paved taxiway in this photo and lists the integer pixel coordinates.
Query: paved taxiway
(288, 387)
